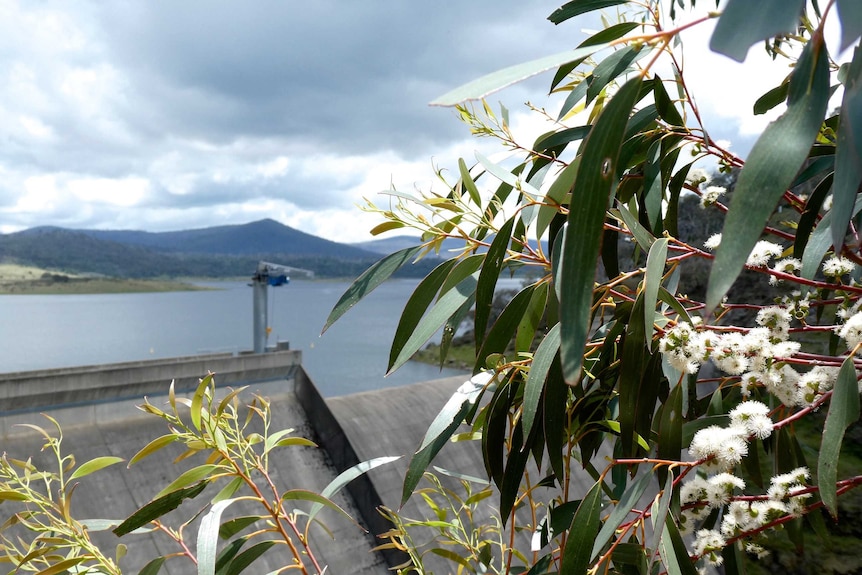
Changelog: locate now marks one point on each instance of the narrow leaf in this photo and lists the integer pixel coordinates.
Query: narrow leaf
(346, 476)
(577, 7)
(482, 87)
(468, 182)
(652, 280)
(306, 495)
(193, 475)
(626, 503)
(440, 430)
(743, 24)
(850, 14)
(542, 361)
(585, 528)
(153, 567)
(417, 304)
(208, 537)
(770, 168)
(158, 507)
(368, 281)
(487, 282)
(448, 304)
(848, 154)
(247, 557)
(95, 465)
(595, 183)
(843, 411)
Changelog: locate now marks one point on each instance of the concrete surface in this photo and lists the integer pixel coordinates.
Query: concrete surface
(118, 428)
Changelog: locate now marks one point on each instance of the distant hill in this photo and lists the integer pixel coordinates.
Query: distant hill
(222, 251)
(255, 238)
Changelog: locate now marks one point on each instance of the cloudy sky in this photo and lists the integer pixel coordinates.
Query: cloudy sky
(162, 115)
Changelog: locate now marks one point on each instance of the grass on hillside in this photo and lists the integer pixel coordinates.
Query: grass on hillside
(20, 280)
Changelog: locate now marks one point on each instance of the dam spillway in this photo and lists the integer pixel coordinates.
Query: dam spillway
(96, 408)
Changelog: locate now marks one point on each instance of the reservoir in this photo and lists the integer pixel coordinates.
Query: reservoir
(50, 331)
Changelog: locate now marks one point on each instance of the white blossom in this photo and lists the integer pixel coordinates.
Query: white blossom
(851, 331)
(753, 416)
(761, 254)
(698, 176)
(727, 446)
(712, 242)
(720, 488)
(708, 543)
(785, 266)
(837, 266)
(710, 195)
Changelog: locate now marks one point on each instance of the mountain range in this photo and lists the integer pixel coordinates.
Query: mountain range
(219, 251)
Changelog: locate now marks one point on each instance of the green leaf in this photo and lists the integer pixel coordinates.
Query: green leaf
(439, 432)
(772, 98)
(556, 196)
(843, 411)
(673, 550)
(468, 182)
(556, 397)
(743, 24)
(809, 216)
(228, 553)
(153, 567)
(247, 557)
(228, 490)
(613, 67)
(850, 14)
(158, 507)
(198, 399)
(449, 303)
(233, 526)
(665, 106)
(317, 498)
(95, 465)
(652, 280)
(820, 242)
(368, 281)
(63, 566)
(585, 528)
(658, 516)
(531, 318)
(641, 235)
(596, 181)
(542, 361)
(346, 476)
(510, 177)
(152, 447)
(208, 537)
(626, 503)
(418, 303)
(487, 284)
(193, 475)
(482, 87)
(578, 7)
(848, 154)
(511, 319)
(770, 168)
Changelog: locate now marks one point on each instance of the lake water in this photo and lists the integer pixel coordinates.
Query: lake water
(39, 331)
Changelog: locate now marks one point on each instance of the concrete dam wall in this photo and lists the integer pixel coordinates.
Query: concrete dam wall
(96, 407)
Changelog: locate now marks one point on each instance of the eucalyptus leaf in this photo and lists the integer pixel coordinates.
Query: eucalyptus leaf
(368, 281)
(744, 23)
(843, 411)
(596, 181)
(771, 167)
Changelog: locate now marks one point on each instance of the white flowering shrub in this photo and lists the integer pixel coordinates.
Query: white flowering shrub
(685, 420)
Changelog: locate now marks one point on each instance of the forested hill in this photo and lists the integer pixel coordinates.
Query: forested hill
(222, 251)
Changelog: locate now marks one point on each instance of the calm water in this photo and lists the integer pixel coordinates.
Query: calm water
(38, 332)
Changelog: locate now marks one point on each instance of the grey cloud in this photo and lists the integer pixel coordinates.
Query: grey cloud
(348, 76)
